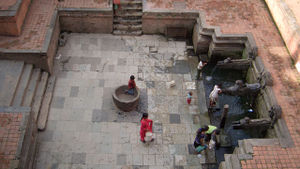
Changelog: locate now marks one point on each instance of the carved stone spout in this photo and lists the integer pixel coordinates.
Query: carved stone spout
(240, 89)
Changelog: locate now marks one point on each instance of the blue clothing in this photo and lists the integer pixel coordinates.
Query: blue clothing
(189, 96)
(131, 91)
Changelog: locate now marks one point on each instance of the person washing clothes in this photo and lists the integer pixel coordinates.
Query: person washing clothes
(214, 94)
(199, 69)
(146, 126)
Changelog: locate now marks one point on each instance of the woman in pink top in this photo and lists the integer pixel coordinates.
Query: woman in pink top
(146, 126)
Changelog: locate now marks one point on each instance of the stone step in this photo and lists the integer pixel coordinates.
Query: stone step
(39, 94)
(241, 149)
(23, 83)
(127, 27)
(133, 7)
(124, 2)
(119, 20)
(222, 165)
(127, 18)
(227, 161)
(235, 162)
(129, 14)
(10, 74)
(44, 112)
(129, 33)
(31, 88)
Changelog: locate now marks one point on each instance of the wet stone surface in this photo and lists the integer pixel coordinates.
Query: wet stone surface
(86, 130)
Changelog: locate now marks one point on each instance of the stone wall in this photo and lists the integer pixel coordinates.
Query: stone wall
(157, 21)
(266, 100)
(21, 142)
(209, 39)
(86, 20)
(11, 20)
(74, 20)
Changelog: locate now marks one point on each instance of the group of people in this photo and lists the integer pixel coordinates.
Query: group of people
(206, 137)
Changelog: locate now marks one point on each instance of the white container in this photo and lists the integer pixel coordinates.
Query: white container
(148, 136)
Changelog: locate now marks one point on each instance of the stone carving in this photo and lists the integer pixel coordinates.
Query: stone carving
(247, 123)
(241, 89)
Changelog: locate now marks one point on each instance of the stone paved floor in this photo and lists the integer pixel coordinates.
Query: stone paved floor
(85, 130)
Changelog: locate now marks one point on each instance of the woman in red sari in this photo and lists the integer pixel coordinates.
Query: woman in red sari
(146, 125)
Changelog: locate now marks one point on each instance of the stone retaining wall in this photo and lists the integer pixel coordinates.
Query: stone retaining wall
(209, 39)
(86, 20)
(266, 100)
(158, 21)
(74, 20)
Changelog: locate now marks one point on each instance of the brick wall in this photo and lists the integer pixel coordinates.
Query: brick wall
(18, 133)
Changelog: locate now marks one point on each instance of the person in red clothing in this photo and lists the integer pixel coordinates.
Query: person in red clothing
(146, 126)
(131, 85)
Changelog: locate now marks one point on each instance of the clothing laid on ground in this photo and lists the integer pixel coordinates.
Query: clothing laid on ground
(146, 125)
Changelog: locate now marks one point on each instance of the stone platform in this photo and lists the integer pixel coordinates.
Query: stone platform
(86, 130)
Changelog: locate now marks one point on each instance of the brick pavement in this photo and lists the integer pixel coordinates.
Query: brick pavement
(234, 16)
(9, 137)
(38, 18)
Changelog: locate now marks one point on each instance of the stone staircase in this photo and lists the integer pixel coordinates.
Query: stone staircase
(244, 152)
(128, 18)
(22, 85)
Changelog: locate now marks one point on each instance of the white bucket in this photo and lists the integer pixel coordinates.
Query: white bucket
(148, 136)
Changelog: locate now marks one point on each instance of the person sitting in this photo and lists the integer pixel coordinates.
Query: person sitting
(131, 85)
(214, 94)
(199, 142)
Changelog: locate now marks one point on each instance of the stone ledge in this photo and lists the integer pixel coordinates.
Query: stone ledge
(206, 38)
(12, 11)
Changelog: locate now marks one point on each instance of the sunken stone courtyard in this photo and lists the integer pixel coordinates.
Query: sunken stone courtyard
(86, 130)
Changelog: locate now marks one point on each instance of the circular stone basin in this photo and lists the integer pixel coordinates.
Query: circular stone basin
(123, 101)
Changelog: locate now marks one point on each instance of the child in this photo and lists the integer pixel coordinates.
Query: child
(189, 97)
(131, 85)
(146, 126)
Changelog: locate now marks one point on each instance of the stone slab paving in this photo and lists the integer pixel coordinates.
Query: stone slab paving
(86, 130)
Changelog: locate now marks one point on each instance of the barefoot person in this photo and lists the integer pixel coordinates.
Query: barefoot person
(146, 126)
(199, 69)
(214, 94)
